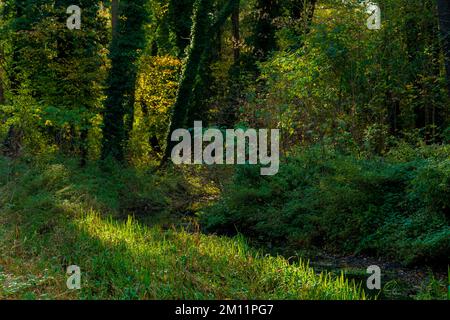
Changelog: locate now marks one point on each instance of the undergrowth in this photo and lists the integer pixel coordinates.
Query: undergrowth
(396, 207)
(53, 215)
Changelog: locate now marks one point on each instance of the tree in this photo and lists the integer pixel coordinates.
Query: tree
(2, 90)
(206, 88)
(76, 72)
(127, 43)
(58, 68)
(2, 60)
(229, 115)
(180, 13)
(200, 42)
(2, 78)
(423, 52)
(444, 18)
(264, 40)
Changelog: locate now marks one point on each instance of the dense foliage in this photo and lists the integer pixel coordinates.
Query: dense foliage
(61, 216)
(363, 114)
(398, 206)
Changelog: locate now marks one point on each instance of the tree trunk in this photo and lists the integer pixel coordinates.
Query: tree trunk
(200, 32)
(444, 18)
(264, 40)
(229, 113)
(311, 11)
(200, 42)
(84, 145)
(2, 78)
(14, 83)
(180, 19)
(114, 16)
(2, 90)
(236, 33)
(128, 40)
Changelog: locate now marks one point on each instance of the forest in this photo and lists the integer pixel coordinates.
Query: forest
(224, 149)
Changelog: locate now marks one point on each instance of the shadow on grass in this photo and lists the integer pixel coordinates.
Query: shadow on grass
(55, 215)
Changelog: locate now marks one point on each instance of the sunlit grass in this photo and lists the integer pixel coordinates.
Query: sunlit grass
(175, 264)
(51, 218)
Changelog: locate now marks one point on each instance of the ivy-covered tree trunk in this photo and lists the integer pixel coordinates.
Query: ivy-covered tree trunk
(205, 87)
(444, 18)
(180, 14)
(200, 42)
(127, 42)
(114, 16)
(229, 111)
(236, 33)
(57, 67)
(235, 85)
(264, 40)
(2, 88)
(311, 9)
(16, 10)
(79, 82)
(2, 92)
(2, 75)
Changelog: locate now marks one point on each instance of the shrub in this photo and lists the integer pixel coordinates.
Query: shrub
(323, 199)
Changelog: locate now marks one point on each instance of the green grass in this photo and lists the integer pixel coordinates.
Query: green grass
(53, 215)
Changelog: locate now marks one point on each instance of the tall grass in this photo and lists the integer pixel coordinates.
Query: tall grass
(53, 216)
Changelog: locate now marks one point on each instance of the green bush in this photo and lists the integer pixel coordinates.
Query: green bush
(344, 204)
